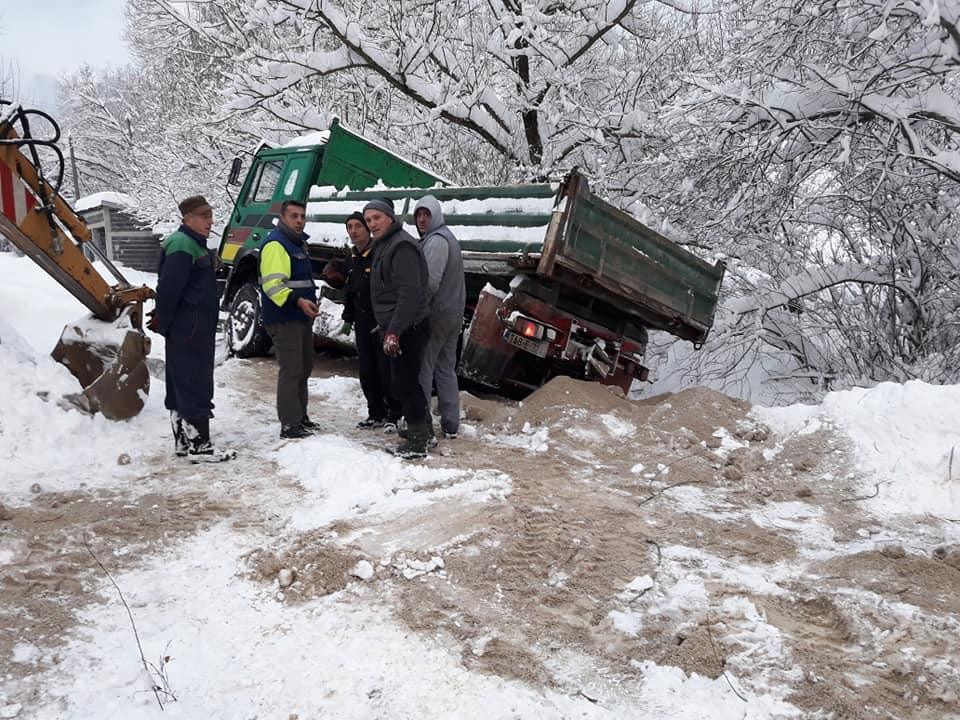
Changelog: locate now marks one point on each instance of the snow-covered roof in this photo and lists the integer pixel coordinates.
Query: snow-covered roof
(315, 138)
(326, 202)
(108, 197)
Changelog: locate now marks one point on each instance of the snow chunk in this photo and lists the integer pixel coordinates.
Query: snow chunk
(363, 570)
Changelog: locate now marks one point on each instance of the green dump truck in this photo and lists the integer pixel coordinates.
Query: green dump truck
(558, 280)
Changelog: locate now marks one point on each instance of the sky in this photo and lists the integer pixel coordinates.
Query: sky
(41, 40)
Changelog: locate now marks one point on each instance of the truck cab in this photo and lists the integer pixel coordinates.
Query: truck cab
(337, 158)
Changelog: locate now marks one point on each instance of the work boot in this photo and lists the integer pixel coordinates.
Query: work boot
(294, 432)
(180, 444)
(370, 423)
(309, 424)
(417, 441)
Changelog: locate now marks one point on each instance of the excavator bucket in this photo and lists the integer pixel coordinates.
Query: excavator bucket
(110, 361)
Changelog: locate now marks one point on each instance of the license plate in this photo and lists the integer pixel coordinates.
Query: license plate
(534, 347)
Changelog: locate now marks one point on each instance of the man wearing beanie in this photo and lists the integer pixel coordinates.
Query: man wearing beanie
(289, 303)
(374, 369)
(398, 280)
(186, 315)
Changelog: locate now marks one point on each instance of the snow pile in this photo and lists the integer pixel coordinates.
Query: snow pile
(43, 438)
(46, 440)
(906, 438)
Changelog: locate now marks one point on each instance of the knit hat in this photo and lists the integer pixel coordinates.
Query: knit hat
(384, 205)
(192, 204)
(356, 216)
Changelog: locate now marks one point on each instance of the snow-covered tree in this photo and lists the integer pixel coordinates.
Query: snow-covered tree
(827, 137)
(528, 88)
(154, 129)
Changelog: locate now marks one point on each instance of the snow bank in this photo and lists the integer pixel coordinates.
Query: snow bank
(44, 439)
(907, 439)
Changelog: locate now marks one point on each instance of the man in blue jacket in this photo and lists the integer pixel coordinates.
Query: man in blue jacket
(289, 305)
(186, 315)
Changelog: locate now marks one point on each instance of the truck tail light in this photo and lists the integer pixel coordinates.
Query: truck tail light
(528, 328)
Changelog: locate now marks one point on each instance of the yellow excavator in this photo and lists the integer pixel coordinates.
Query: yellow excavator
(107, 357)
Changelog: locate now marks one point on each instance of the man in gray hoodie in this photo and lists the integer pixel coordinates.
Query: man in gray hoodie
(446, 296)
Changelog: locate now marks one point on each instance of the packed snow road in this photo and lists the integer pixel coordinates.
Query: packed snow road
(577, 555)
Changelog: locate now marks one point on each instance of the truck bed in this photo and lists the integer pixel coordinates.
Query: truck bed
(571, 246)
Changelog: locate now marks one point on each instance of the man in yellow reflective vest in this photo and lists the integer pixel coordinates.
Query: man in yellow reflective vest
(289, 305)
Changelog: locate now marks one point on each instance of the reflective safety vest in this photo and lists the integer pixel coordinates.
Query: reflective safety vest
(286, 275)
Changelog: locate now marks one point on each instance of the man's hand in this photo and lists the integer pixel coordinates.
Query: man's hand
(391, 345)
(153, 322)
(309, 307)
(346, 329)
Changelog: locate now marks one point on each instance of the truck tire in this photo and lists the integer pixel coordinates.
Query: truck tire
(246, 336)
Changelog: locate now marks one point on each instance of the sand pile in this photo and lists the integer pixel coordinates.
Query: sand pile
(551, 404)
(700, 410)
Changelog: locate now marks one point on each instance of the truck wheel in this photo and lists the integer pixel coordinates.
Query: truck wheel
(246, 336)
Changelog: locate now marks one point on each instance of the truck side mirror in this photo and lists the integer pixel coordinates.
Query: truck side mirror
(235, 167)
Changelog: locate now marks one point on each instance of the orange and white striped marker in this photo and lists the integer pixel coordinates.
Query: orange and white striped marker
(15, 200)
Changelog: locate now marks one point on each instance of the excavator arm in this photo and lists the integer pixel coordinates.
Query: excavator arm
(35, 218)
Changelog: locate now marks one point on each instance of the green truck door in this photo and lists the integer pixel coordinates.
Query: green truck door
(274, 178)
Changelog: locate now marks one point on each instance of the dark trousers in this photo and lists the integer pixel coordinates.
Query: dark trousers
(293, 343)
(190, 347)
(374, 369)
(405, 374)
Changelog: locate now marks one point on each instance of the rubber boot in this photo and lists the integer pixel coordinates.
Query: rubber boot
(416, 443)
(197, 431)
(431, 443)
(180, 444)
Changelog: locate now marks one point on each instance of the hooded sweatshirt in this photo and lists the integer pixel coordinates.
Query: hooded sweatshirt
(446, 285)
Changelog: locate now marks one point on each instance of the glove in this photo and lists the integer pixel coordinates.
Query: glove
(391, 345)
(346, 328)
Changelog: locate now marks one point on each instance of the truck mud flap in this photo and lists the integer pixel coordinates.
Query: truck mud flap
(485, 355)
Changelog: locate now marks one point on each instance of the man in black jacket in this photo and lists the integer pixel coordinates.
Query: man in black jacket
(374, 369)
(398, 280)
